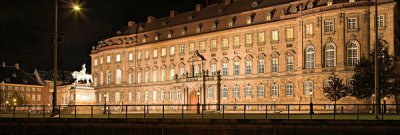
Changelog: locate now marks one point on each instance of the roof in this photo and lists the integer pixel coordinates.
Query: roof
(65, 77)
(13, 75)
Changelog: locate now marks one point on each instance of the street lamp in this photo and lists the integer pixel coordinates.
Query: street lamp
(15, 103)
(373, 103)
(198, 101)
(384, 105)
(311, 103)
(105, 103)
(54, 111)
(2, 96)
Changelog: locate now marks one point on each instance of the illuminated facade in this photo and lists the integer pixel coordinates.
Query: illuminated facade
(266, 51)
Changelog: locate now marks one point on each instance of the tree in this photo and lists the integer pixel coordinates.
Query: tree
(363, 83)
(396, 84)
(335, 89)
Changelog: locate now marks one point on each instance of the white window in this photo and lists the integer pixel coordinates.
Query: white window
(154, 95)
(130, 77)
(352, 0)
(101, 60)
(179, 95)
(172, 50)
(261, 37)
(275, 35)
(163, 95)
(171, 74)
(210, 92)
(155, 53)
(118, 76)
(139, 77)
(261, 66)
(275, 65)
(101, 78)
(268, 16)
(156, 38)
(118, 58)
(146, 76)
(183, 32)
(191, 47)
(289, 33)
(155, 76)
(249, 39)
(202, 45)
(248, 66)
(225, 69)
(289, 63)
(231, 23)
(117, 96)
(137, 96)
(146, 96)
(352, 23)
(181, 70)
(249, 91)
(309, 29)
(130, 57)
(139, 55)
(308, 87)
(225, 43)
(213, 44)
(169, 35)
(129, 96)
(224, 92)
(108, 77)
(330, 55)
(274, 90)
(147, 54)
(260, 91)
(213, 69)
(236, 92)
(163, 52)
(329, 27)
(381, 21)
(108, 59)
(95, 62)
(181, 49)
(196, 70)
(329, 3)
(352, 54)
(289, 89)
(236, 41)
(171, 95)
(163, 75)
(236, 68)
(310, 59)
(249, 19)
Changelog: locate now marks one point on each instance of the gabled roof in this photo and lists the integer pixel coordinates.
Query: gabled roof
(13, 75)
(65, 77)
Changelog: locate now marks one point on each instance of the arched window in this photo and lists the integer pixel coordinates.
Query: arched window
(352, 54)
(95, 80)
(117, 96)
(210, 92)
(274, 90)
(224, 92)
(308, 87)
(181, 70)
(139, 76)
(130, 77)
(236, 91)
(289, 89)
(108, 77)
(249, 91)
(101, 78)
(261, 65)
(260, 91)
(330, 55)
(248, 66)
(310, 57)
(118, 76)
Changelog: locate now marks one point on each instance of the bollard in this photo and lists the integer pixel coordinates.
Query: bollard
(75, 111)
(223, 112)
(182, 111)
(163, 112)
(144, 111)
(288, 112)
(244, 111)
(91, 111)
(341, 109)
(266, 111)
(126, 111)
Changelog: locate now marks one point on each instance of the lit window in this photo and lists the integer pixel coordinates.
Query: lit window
(146, 76)
(249, 19)
(236, 92)
(163, 75)
(261, 66)
(310, 58)
(169, 35)
(248, 66)
(231, 23)
(108, 77)
(352, 54)
(183, 32)
(308, 87)
(172, 50)
(249, 91)
(182, 70)
(137, 96)
(274, 90)
(275, 65)
(260, 91)
(154, 95)
(381, 21)
(130, 77)
(163, 52)
(181, 49)
(249, 39)
(329, 27)
(214, 26)
(224, 92)
(202, 45)
(210, 92)
(213, 44)
(95, 62)
(236, 41)
(163, 95)
(309, 29)
(191, 47)
(179, 95)
(198, 29)
(155, 53)
(171, 74)
(289, 33)
(213, 69)
(146, 96)
(155, 76)
(171, 95)
(225, 69)
(352, 0)
(101, 60)
(268, 16)
(260, 37)
(289, 89)
(130, 57)
(147, 54)
(352, 23)
(329, 3)
(139, 77)
(330, 55)
(289, 63)
(236, 68)
(108, 59)
(156, 38)
(275, 35)
(118, 77)
(225, 43)
(130, 97)
(139, 57)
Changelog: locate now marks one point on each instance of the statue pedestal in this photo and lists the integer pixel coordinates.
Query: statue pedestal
(82, 95)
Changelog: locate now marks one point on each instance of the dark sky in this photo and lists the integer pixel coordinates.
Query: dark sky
(27, 25)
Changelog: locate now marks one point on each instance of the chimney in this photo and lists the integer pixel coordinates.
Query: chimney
(3, 64)
(198, 7)
(16, 65)
(150, 19)
(227, 2)
(131, 23)
(172, 13)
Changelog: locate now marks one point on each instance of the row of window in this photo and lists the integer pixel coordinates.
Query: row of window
(20, 88)
(26, 96)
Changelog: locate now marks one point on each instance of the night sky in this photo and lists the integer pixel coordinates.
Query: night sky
(26, 28)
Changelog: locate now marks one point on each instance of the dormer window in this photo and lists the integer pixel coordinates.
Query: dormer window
(231, 22)
(184, 31)
(254, 4)
(14, 75)
(329, 3)
(170, 34)
(268, 16)
(156, 37)
(310, 5)
(249, 19)
(141, 28)
(214, 26)
(352, 0)
(144, 39)
(198, 29)
(293, 9)
(190, 18)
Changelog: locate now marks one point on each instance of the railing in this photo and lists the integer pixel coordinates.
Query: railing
(208, 111)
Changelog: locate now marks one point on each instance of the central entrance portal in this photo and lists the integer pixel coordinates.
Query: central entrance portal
(193, 100)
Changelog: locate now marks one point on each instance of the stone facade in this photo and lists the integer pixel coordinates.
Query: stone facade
(263, 34)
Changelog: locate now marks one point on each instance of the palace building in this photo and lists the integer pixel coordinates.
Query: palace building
(267, 51)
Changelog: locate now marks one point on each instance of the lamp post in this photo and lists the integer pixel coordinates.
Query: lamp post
(2, 96)
(373, 103)
(274, 105)
(7, 103)
(15, 103)
(311, 103)
(54, 111)
(198, 101)
(105, 103)
(384, 105)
